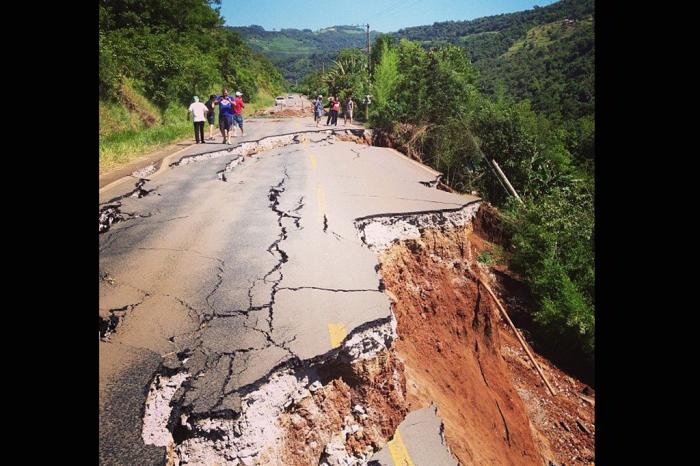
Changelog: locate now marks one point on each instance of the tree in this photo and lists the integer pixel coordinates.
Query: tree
(348, 75)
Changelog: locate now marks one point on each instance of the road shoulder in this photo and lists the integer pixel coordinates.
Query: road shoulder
(156, 158)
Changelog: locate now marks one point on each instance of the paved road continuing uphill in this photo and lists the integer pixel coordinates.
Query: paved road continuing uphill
(235, 276)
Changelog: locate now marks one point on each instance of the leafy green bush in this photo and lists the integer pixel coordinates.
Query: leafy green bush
(386, 75)
(174, 114)
(154, 55)
(525, 146)
(348, 75)
(432, 94)
(177, 49)
(554, 249)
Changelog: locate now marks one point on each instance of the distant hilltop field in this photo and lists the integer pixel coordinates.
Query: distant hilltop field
(298, 51)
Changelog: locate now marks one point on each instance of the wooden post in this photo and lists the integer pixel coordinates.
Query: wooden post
(369, 54)
(515, 330)
(510, 186)
(520, 339)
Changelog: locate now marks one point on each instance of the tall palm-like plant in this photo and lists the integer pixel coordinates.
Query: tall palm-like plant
(348, 75)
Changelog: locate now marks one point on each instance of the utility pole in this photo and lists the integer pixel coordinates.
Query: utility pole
(510, 186)
(369, 52)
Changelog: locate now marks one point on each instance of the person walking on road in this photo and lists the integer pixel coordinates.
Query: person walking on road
(210, 116)
(225, 103)
(336, 110)
(349, 107)
(238, 107)
(198, 111)
(318, 109)
(330, 110)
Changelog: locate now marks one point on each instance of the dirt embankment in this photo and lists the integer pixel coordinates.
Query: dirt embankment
(285, 112)
(405, 138)
(459, 354)
(352, 415)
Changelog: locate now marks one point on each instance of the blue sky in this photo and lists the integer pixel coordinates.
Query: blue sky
(382, 15)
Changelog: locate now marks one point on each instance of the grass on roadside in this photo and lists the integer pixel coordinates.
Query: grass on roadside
(120, 148)
(263, 100)
(125, 136)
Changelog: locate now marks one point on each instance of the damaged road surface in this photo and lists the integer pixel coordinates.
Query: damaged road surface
(243, 319)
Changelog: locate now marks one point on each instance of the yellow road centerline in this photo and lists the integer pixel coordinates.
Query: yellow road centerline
(314, 163)
(337, 333)
(398, 451)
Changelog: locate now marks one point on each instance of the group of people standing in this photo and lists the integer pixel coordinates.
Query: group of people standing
(333, 110)
(230, 116)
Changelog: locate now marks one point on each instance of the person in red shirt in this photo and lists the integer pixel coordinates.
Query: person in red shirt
(336, 110)
(238, 107)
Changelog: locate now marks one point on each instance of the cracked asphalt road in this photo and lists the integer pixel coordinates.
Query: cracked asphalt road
(232, 279)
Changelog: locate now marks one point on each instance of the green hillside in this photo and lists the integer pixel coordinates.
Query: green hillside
(153, 59)
(299, 51)
(545, 55)
(553, 66)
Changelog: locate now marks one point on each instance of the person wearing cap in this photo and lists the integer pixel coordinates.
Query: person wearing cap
(198, 111)
(318, 109)
(238, 107)
(225, 103)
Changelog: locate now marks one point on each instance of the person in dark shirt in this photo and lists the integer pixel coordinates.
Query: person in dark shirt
(210, 116)
(331, 101)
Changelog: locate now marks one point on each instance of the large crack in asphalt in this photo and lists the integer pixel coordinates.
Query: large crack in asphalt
(254, 436)
(237, 361)
(220, 279)
(274, 248)
(266, 143)
(108, 325)
(379, 231)
(432, 183)
(229, 431)
(249, 424)
(110, 211)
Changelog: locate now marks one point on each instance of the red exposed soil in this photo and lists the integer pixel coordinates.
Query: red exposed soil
(377, 385)
(366, 139)
(488, 224)
(285, 112)
(459, 354)
(451, 351)
(454, 350)
(561, 421)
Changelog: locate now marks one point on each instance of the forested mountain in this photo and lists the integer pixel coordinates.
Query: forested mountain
(545, 55)
(298, 51)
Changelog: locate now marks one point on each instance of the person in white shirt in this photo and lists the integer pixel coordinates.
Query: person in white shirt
(199, 112)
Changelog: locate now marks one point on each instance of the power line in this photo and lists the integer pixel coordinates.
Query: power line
(401, 7)
(384, 10)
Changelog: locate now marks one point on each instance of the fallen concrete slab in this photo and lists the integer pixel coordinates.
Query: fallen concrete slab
(418, 441)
